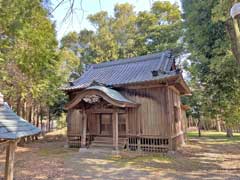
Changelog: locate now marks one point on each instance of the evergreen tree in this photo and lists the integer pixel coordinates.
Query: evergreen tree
(214, 71)
(128, 34)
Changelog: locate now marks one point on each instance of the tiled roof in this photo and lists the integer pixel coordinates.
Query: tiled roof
(12, 126)
(127, 71)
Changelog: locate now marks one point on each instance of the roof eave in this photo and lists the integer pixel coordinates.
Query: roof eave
(161, 80)
(100, 93)
(187, 91)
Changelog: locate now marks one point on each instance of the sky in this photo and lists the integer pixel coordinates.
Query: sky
(79, 20)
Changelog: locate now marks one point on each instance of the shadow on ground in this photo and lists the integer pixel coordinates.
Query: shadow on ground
(201, 158)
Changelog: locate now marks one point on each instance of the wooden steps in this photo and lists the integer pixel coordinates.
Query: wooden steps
(107, 142)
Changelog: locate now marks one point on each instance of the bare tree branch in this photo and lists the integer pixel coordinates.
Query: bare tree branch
(56, 7)
(100, 5)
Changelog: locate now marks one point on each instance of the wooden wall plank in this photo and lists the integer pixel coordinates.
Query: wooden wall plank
(74, 119)
(154, 117)
(150, 117)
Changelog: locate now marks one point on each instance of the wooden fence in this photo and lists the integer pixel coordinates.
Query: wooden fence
(148, 144)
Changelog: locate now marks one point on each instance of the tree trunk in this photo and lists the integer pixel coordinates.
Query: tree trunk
(30, 114)
(37, 114)
(195, 122)
(218, 124)
(190, 121)
(34, 114)
(24, 110)
(199, 127)
(49, 120)
(206, 127)
(19, 106)
(41, 121)
(229, 132)
(233, 31)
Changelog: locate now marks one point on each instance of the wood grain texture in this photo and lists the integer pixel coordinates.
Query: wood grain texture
(159, 116)
(10, 156)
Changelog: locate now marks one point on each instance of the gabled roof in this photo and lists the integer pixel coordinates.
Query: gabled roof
(12, 126)
(127, 71)
(110, 95)
(151, 68)
(113, 94)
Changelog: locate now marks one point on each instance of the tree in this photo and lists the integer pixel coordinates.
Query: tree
(127, 34)
(123, 27)
(221, 12)
(212, 64)
(29, 60)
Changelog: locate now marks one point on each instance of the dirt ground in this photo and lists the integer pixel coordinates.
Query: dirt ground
(201, 158)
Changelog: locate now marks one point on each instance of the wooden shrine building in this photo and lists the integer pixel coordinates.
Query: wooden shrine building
(129, 103)
(12, 128)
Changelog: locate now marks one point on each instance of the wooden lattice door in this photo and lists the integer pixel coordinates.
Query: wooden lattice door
(122, 124)
(106, 124)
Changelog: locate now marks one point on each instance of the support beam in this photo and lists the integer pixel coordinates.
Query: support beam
(10, 155)
(84, 131)
(115, 130)
(106, 110)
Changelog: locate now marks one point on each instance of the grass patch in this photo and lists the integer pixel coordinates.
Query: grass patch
(57, 135)
(217, 136)
(62, 132)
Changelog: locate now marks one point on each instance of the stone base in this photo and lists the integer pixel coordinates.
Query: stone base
(66, 146)
(115, 152)
(84, 149)
(171, 153)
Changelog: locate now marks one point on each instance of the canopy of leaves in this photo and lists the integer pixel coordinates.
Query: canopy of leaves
(127, 34)
(31, 67)
(215, 74)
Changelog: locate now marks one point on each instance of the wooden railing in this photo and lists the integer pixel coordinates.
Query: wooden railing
(74, 140)
(133, 142)
(148, 143)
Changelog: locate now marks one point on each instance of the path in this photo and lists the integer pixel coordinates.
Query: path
(204, 158)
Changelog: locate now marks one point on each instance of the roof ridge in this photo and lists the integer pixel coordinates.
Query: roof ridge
(147, 57)
(136, 69)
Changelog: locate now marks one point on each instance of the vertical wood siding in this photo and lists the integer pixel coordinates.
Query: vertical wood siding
(74, 121)
(150, 118)
(93, 122)
(159, 115)
(177, 131)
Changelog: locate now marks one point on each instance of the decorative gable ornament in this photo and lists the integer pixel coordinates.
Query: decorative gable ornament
(235, 10)
(91, 99)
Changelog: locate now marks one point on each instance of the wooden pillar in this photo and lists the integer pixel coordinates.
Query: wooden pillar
(138, 144)
(98, 116)
(9, 164)
(84, 131)
(169, 118)
(115, 130)
(127, 128)
(127, 123)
